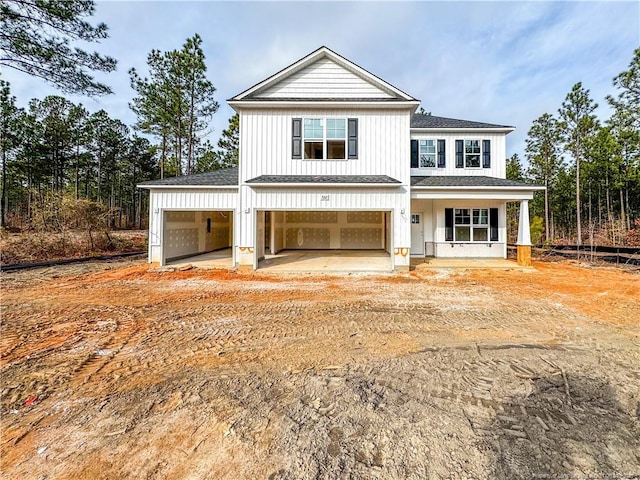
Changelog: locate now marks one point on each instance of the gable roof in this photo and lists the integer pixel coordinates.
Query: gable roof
(419, 120)
(227, 177)
(253, 93)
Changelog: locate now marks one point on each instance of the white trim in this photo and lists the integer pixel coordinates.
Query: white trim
(313, 57)
(322, 104)
(497, 188)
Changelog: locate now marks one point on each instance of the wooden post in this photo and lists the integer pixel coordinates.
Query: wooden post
(524, 235)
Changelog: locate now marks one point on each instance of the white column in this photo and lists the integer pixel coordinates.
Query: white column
(524, 234)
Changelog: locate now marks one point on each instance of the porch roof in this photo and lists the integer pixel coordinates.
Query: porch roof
(324, 180)
(469, 181)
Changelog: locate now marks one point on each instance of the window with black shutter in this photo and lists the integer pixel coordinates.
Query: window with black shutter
(448, 224)
(414, 153)
(493, 224)
(296, 138)
(441, 154)
(353, 138)
(459, 153)
(486, 154)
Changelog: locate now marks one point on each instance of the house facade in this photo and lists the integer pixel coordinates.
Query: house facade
(334, 158)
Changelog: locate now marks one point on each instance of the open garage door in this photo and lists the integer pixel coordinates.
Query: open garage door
(190, 234)
(348, 232)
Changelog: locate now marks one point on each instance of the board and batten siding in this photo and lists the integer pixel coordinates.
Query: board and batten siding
(323, 79)
(498, 154)
(162, 200)
(383, 144)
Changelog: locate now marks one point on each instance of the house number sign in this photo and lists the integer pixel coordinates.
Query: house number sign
(324, 198)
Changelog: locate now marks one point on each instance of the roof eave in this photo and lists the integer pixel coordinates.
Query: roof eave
(159, 187)
(463, 129)
(323, 185)
(235, 104)
(480, 187)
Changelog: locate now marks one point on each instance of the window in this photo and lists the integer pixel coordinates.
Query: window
(325, 138)
(471, 225)
(313, 138)
(469, 153)
(427, 153)
(415, 218)
(472, 153)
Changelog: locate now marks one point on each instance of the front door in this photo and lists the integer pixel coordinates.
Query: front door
(417, 234)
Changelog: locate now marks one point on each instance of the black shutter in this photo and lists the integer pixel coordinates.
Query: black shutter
(486, 153)
(414, 153)
(441, 156)
(459, 154)
(493, 224)
(296, 138)
(448, 224)
(353, 138)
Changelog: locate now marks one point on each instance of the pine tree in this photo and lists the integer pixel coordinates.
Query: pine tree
(542, 151)
(577, 123)
(36, 38)
(229, 144)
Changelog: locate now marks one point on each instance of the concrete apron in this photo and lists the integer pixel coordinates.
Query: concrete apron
(313, 261)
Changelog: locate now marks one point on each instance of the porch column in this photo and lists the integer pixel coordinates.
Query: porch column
(524, 235)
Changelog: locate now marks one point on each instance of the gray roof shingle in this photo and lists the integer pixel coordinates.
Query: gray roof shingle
(419, 120)
(226, 176)
(465, 181)
(376, 179)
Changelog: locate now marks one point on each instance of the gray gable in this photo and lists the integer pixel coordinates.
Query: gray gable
(419, 120)
(465, 181)
(324, 179)
(227, 176)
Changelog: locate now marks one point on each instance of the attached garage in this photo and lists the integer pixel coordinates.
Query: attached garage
(189, 233)
(193, 218)
(326, 230)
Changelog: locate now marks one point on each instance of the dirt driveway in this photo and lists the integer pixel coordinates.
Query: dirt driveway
(114, 371)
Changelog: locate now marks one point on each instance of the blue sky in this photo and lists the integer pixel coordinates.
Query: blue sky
(498, 62)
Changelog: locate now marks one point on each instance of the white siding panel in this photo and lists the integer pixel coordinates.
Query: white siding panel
(324, 79)
(383, 144)
(498, 154)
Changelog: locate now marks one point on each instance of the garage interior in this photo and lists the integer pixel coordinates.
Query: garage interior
(205, 237)
(324, 240)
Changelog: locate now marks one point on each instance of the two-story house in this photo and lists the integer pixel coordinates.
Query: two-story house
(334, 158)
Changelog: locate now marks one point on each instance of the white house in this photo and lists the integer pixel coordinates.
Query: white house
(333, 157)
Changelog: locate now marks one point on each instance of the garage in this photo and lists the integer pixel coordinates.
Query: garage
(198, 236)
(327, 239)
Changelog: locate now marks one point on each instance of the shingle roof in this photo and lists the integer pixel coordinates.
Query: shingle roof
(323, 179)
(465, 181)
(419, 120)
(227, 176)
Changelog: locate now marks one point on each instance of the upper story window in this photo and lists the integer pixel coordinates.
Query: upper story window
(325, 138)
(473, 153)
(428, 153)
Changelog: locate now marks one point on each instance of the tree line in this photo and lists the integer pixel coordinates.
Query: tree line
(55, 150)
(591, 169)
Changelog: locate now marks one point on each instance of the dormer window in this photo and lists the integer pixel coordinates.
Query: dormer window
(325, 138)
